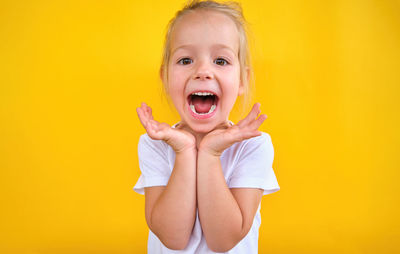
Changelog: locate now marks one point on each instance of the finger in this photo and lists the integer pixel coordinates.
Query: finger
(145, 111)
(155, 125)
(148, 111)
(245, 134)
(157, 130)
(251, 134)
(143, 119)
(257, 122)
(153, 133)
(152, 128)
(251, 116)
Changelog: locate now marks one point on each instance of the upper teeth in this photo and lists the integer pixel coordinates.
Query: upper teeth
(202, 93)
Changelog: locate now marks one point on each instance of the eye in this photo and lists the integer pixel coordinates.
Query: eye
(221, 61)
(185, 61)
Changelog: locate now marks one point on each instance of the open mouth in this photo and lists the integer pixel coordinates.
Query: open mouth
(202, 103)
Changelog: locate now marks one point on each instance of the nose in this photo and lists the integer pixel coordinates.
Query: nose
(203, 72)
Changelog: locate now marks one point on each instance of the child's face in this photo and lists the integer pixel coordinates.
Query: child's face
(204, 58)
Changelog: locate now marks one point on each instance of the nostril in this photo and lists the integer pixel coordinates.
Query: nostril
(203, 76)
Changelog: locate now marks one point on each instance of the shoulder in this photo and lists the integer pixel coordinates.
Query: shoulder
(264, 140)
(147, 144)
(256, 148)
(145, 139)
(253, 165)
(249, 149)
(264, 137)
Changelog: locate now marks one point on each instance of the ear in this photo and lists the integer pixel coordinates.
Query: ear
(241, 85)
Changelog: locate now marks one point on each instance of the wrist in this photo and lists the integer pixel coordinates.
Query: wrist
(204, 151)
(189, 150)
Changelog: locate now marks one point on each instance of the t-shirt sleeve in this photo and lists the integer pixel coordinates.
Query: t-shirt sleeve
(153, 164)
(253, 167)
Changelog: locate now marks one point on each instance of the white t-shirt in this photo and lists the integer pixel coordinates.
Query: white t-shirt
(246, 164)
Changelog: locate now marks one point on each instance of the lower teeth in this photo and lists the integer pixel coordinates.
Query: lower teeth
(210, 111)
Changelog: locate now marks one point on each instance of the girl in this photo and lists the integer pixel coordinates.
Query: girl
(203, 178)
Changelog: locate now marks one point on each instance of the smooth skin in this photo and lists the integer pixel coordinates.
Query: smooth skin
(170, 211)
(197, 181)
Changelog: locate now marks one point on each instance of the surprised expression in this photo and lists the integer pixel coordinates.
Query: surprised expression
(204, 70)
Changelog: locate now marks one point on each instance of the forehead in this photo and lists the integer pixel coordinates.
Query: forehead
(205, 28)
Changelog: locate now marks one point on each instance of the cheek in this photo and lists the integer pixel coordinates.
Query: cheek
(231, 88)
(232, 74)
(232, 81)
(230, 95)
(175, 94)
(176, 86)
(175, 77)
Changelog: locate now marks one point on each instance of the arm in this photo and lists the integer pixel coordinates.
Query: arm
(226, 215)
(171, 210)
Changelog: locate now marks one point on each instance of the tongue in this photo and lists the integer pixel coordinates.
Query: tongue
(202, 104)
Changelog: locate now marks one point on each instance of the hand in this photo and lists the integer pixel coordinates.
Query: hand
(218, 140)
(178, 139)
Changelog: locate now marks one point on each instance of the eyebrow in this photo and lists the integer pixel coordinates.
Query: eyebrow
(180, 47)
(215, 46)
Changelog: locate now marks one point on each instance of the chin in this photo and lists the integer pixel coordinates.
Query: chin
(202, 128)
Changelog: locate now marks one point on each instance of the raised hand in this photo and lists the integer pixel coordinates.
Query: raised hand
(178, 139)
(218, 140)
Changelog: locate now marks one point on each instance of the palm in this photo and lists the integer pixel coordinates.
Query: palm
(178, 139)
(218, 140)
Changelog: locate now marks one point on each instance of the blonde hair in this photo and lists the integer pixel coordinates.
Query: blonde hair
(234, 11)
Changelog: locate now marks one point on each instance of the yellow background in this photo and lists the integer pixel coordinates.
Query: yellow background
(73, 72)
